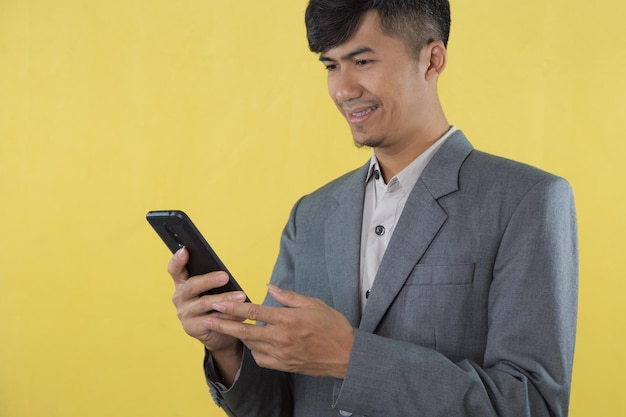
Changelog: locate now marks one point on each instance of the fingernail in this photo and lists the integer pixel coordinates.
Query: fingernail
(221, 278)
(208, 323)
(238, 296)
(179, 252)
(273, 288)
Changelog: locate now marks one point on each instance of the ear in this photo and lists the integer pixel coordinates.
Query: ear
(436, 55)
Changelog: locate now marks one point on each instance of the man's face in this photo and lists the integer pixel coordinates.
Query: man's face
(379, 87)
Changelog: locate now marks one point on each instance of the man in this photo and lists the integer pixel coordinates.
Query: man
(436, 280)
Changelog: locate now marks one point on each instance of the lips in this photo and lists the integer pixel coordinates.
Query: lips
(361, 115)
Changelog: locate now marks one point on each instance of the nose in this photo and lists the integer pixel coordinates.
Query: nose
(343, 86)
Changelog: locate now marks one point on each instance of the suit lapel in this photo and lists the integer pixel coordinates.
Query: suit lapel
(418, 225)
(342, 230)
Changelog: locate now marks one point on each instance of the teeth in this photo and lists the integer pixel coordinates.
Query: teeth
(364, 112)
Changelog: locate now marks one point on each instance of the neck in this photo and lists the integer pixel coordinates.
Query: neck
(393, 160)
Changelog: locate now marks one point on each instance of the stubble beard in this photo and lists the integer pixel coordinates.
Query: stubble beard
(372, 142)
(361, 131)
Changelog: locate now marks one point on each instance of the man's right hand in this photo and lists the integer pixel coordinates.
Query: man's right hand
(193, 309)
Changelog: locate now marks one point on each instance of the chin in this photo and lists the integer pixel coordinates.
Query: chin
(369, 142)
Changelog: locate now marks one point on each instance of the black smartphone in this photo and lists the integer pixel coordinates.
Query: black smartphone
(177, 230)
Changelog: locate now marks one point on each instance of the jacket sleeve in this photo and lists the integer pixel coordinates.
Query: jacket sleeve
(259, 392)
(532, 307)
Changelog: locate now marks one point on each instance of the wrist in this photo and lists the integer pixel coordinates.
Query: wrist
(227, 362)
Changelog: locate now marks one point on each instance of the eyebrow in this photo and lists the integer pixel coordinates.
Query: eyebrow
(348, 56)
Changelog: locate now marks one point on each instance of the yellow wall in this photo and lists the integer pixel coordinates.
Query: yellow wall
(109, 109)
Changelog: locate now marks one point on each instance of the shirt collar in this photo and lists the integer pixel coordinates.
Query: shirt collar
(411, 173)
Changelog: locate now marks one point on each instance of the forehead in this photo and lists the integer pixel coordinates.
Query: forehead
(367, 38)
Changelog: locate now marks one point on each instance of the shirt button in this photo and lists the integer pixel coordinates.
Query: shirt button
(380, 230)
(345, 413)
(376, 174)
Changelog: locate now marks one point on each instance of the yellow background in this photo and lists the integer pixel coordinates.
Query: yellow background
(109, 109)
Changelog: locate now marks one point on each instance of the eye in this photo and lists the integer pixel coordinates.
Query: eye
(331, 67)
(362, 62)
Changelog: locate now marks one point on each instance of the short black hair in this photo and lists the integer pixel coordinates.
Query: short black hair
(329, 23)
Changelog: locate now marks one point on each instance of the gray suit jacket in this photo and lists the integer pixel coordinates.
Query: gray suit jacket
(473, 310)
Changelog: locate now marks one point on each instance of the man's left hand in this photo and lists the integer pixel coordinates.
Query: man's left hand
(307, 337)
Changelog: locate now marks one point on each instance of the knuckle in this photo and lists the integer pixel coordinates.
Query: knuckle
(283, 340)
(287, 320)
(182, 315)
(253, 312)
(243, 331)
(177, 297)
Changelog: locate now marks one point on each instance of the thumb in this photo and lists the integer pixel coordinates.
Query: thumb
(287, 298)
(176, 266)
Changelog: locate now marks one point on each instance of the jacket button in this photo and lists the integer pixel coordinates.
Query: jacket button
(345, 413)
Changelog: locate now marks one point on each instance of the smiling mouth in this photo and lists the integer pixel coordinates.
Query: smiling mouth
(363, 112)
(360, 116)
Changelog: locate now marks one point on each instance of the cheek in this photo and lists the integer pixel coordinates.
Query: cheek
(389, 90)
(409, 96)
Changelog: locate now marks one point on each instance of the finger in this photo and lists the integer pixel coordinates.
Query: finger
(192, 317)
(228, 317)
(246, 332)
(199, 284)
(289, 298)
(198, 306)
(255, 312)
(176, 266)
